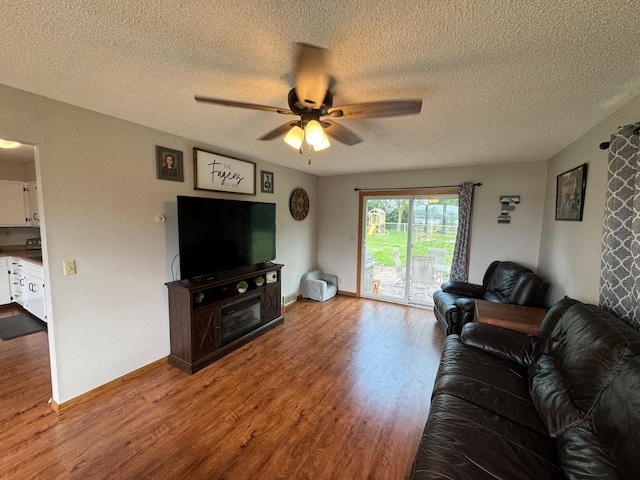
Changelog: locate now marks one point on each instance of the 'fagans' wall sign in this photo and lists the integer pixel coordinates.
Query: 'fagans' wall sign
(213, 171)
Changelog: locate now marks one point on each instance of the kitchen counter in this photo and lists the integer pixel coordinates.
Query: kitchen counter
(19, 251)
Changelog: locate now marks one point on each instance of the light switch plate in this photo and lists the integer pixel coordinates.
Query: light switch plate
(69, 267)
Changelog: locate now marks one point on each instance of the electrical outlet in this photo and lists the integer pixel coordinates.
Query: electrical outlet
(69, 267)
(339, 279)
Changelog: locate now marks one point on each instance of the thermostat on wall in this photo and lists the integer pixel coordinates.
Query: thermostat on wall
(272, 277)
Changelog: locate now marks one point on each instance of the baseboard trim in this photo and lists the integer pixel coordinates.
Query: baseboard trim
(347, 294)
(60, 408)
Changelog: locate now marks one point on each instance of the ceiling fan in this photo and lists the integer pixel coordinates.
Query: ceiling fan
(312, 101)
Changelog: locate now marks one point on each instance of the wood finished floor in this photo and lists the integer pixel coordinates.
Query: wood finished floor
(339, 391)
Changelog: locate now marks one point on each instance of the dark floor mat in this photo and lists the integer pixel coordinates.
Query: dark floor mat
(20, 325)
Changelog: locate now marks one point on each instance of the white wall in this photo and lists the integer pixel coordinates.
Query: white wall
(14, 170)
(100, 196)
(570, 251)
(518, 241)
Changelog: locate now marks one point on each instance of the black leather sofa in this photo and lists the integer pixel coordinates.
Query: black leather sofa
(562, 404)
(504, 282)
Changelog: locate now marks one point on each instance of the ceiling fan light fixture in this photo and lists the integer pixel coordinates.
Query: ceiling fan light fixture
(322, 145)
(314, 133)
(8, 144)
(295, 137)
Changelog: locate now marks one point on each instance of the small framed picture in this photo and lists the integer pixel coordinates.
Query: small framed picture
(266, 179)
(169, 164)
(570, 189)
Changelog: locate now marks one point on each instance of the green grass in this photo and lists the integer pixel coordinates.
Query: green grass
(381, 246)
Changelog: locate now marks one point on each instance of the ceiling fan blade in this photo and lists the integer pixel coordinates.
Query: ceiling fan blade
(340, 133)
(253, 106)
(277, 132)
(376, 109)
(312, 81)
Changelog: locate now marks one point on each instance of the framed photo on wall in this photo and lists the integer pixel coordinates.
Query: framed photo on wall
(213, 171)
(570, 190)
(266, 181)
(169, 164)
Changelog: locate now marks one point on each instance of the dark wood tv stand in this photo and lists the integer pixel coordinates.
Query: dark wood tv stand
(195, 314)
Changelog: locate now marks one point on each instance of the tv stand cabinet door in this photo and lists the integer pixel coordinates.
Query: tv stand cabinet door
(205, 335)
(271, 308)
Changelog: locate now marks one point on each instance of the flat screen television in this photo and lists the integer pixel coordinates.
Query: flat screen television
(216, 235)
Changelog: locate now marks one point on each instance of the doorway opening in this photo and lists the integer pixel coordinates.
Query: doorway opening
(21, 165)
(407, 241)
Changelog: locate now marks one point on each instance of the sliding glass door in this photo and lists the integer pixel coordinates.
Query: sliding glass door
(407, 244)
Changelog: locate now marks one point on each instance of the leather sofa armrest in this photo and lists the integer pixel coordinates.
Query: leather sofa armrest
(467, 307)
(508, 344)
(463, 289)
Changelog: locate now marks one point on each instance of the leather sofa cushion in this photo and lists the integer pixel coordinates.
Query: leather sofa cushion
(582, 456)
(463, 440)
(492, 383)
(551, 397)
(616, 419)
(588, 345)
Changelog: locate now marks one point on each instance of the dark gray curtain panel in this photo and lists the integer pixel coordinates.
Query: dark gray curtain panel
(619, 291)
(460, 262)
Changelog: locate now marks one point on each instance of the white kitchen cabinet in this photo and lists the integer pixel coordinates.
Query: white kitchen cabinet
(26, 285)
(33, 290)
(15, 279)
(33, 213)
(5, 284)
(14, 200)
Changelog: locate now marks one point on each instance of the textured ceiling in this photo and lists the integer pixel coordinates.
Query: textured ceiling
(501, 81)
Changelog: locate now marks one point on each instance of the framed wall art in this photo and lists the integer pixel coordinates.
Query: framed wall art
(220, 173)
(570, 190)
(266, 181)
(169, 164)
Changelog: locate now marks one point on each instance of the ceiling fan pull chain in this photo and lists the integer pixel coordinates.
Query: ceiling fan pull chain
(309, 153)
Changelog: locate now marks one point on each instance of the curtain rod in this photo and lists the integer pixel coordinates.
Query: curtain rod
(605, 145)
(408, 188)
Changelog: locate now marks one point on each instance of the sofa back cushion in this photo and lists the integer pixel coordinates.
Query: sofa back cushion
(527, 290)
(550, 320)
(588, 345)
(488, 275)
(504, 279)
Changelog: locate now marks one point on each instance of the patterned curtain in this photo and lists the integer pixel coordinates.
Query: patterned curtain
(619, 291)
(460, 262)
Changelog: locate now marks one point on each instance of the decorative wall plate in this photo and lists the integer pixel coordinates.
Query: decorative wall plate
(299, 204)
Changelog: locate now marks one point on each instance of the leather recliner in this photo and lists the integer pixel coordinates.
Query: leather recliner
(503, 282)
